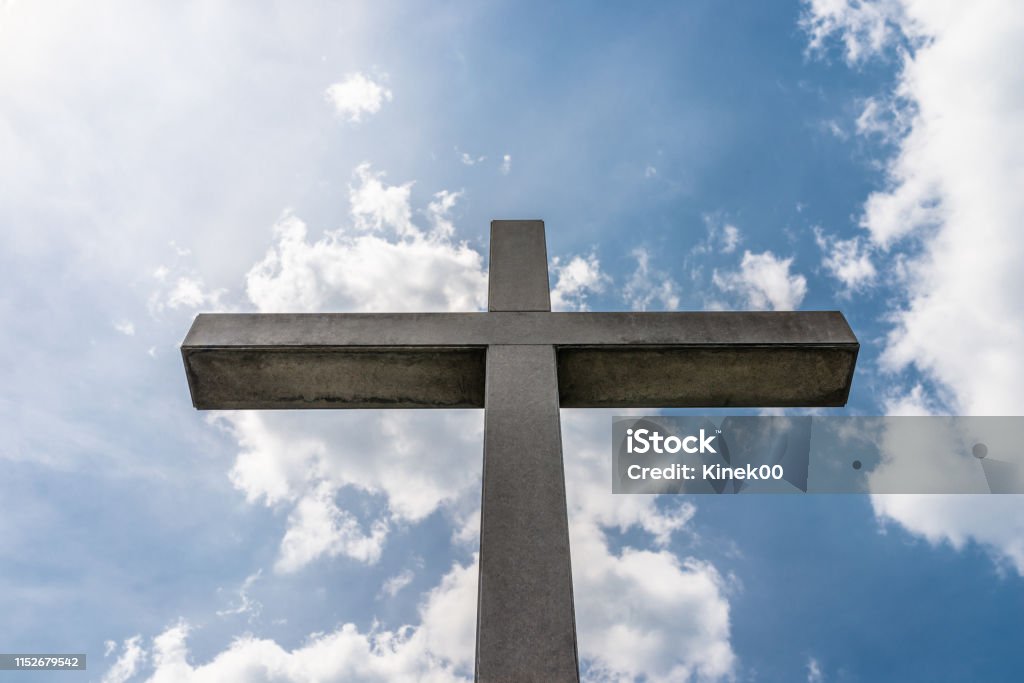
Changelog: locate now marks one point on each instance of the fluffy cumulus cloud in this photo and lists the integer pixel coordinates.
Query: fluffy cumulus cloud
(951, 213)
(438, 651)
(669, 620)
(357, 94)
(996, 524)
(304, 462)
(318, 527)
(355, 269)
(764, 281)
(575, 279)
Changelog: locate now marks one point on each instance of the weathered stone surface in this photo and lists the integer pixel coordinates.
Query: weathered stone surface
(604, 359)
(518, 275)
(526, 626)
(723, 376)
(314, 377)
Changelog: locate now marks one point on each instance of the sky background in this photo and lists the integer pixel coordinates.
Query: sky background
(161, 159)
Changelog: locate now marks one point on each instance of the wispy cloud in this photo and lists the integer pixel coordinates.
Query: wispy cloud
(128, 663)
(647, 286)
(864, 28)
(849, 260)
(814, 674)
(396, 583)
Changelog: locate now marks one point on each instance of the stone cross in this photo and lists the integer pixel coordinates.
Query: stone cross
(520, 362)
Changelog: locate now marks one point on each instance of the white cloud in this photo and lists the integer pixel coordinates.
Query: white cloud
(764, 281)
(506, 164)
(125, 327)
(354, 271)
(887, 119)
(643, 632)
(864, 27)
(448, 616)
(835, 129)
(650, 171)
(669, 621)
(814, 674)
(915, 401)
(376, 206)
(317, 527)
(186, 292)
(439, 650)
(849, 261)
(575, 279)
(994, 522)
(438, 211)
(954, 186)
(721, 236)
(646, 286)
(730, 238)
(295, 461)
(128, 663)
(469, 160)
(396, 583)
(355, 95)
(246, 604)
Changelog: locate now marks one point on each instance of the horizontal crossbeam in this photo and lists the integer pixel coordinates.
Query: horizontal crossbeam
(438, 360)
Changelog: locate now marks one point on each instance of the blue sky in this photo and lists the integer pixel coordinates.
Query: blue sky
(160, 160)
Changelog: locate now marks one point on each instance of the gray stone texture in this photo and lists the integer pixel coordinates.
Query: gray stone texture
(436, 360)
(526, 627)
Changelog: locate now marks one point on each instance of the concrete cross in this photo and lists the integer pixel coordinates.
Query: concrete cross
(520, 362)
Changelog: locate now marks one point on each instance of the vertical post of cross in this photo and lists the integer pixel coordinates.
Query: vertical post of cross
(526, 627)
